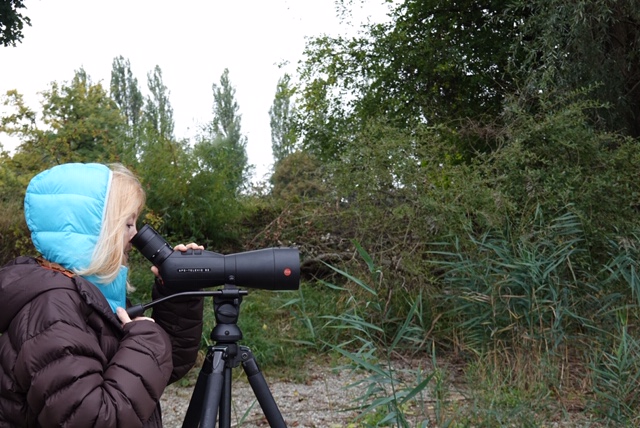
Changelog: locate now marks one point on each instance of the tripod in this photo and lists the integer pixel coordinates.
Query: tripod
(212, 394)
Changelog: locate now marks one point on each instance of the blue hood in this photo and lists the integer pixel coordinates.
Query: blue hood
(64, 208)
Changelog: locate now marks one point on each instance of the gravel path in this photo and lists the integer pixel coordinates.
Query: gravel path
(319, 402)
(323, 399)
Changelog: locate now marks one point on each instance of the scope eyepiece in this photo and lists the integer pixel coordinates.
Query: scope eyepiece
(152, 246)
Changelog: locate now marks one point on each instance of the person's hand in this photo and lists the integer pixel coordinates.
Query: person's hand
(179, 247)
(125, 319)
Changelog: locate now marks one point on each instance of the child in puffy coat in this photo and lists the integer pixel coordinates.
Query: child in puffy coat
(69, 353)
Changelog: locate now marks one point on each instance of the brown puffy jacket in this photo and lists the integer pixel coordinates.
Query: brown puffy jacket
(65, 360)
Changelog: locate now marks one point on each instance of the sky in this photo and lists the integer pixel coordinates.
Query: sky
(192, 42)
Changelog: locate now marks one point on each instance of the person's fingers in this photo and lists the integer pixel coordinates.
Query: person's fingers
(125, 319)
(190, 246)
(123, 316)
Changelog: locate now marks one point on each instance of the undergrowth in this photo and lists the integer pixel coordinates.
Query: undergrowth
(520, 329)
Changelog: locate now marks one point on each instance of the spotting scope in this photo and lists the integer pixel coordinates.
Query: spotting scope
(268, 268)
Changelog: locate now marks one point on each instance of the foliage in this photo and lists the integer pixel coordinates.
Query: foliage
(526, 290)
(454, 64)
(386, 398)
(225, 137)
(14, 237)
(221, 167)
(435, 54)
(297, 177)
(567, 46)
(616, 373)
(82, 124)
(162, 162)
(284, 136)
(511, 389)
(556, 158)
(399, 189)
(12, 22)
(530, 295)
(125, 92)
(158, 113)
(435, 63)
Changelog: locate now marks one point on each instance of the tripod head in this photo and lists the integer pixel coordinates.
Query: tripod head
(226, 307)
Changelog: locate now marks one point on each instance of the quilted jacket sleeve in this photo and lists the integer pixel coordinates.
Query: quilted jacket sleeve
(71, 383)
(181, 318)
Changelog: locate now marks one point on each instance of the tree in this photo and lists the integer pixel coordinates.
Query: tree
(163, 162)
(13, 230)
(435, 62)
(82, 124)
(566, 48)
(441, 60)
(12, 22)
(226, 126)
(158, 113)
(222, 167)
(283, 131)
(227, 146)
(127, 96)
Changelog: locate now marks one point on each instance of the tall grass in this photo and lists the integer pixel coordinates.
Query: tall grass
(540, 320)
(615, 362)
(390, 395)
(615, 372)
(529, 291)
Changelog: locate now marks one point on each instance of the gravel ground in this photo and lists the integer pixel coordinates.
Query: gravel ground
(322, 400)
(319, 402)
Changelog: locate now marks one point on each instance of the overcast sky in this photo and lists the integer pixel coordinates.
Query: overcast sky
(192, 41)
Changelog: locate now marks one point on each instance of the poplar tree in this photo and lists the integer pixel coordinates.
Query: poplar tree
(222, 164)
(283, 132)
(227, 134)
(124, 90)
(163, 160)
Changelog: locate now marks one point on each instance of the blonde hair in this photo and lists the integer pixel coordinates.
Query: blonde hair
(126, 198)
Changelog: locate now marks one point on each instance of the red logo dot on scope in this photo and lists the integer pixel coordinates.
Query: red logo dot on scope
(287, 272)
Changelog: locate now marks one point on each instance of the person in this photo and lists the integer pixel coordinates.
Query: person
(69, 353)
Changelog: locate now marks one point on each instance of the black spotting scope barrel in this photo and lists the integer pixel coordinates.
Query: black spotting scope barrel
(269, 268)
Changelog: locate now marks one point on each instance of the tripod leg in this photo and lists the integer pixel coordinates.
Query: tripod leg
(213, 392)
(207, 393)
(225, 402)
(192, 417)
(261, 389)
